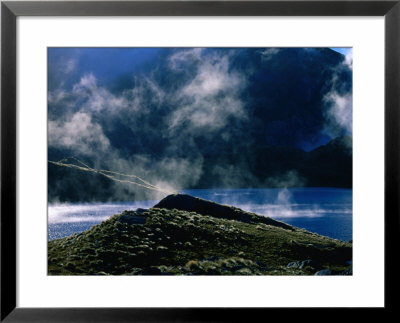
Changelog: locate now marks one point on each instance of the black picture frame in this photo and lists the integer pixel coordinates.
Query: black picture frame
(10, 10)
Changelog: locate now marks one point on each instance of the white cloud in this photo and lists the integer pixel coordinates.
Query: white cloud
(338, 104)
(212, 77)
(96, 98)
(268, 53)
(210, 98)
(57, 96)
(170, 174)
(289, 178)
(61, 70)
(69, 66)
(178, 60)
(158, 95)
(90, 97)
(88, 81)
(349, 59)
(340, 111)
(79, 133)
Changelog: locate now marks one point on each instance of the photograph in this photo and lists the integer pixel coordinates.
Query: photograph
(199, 161)
(166, 161)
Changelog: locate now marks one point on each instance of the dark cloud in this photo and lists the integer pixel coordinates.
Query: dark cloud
(182, 115)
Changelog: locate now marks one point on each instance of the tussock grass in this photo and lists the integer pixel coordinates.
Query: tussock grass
(176, 242)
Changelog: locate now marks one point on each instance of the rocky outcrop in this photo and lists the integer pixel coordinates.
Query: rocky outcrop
(305, 263)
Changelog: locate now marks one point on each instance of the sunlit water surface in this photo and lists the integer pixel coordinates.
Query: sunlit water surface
(327, 211)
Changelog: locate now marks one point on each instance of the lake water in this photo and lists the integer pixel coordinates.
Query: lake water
(326, 211)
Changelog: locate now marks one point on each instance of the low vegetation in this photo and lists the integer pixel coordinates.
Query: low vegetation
(168, 241)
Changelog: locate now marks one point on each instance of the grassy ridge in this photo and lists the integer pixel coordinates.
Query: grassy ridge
(163, 241)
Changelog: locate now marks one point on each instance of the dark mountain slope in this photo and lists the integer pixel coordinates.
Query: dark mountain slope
(329, 165)
(238, 117)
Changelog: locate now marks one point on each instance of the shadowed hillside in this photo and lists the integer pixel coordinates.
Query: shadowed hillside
(183, 235)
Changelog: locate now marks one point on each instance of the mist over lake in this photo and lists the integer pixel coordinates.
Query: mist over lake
(326, 211)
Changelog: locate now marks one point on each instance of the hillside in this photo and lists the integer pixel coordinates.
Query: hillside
(183, 235)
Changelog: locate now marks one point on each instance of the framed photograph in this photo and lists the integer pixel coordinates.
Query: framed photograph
(162, 159)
